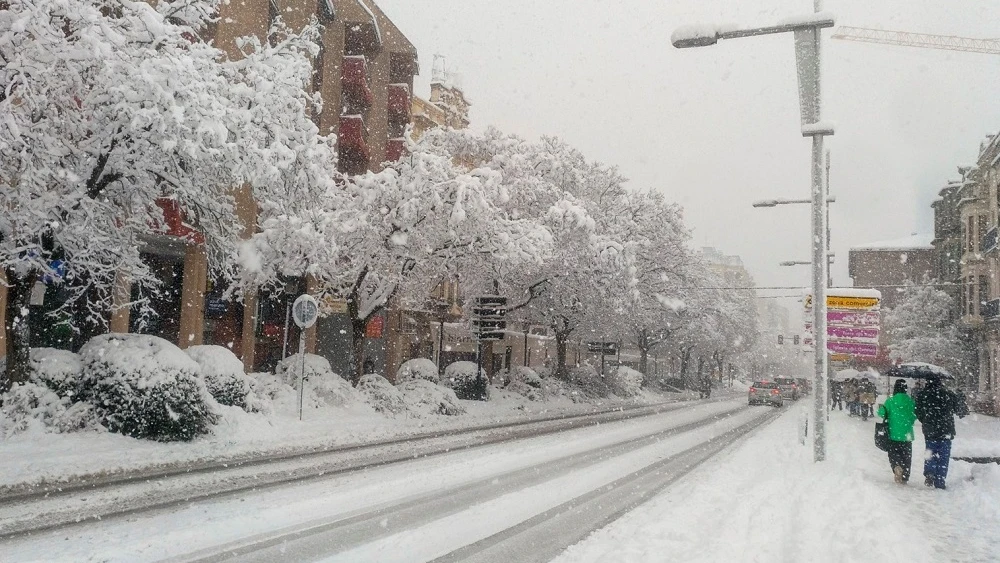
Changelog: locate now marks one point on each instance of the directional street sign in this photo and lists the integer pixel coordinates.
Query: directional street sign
(853, 320)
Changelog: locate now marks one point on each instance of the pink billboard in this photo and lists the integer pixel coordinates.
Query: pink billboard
(852, 348)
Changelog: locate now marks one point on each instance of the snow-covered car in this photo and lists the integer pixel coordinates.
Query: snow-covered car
(765, 392)
(789, 387)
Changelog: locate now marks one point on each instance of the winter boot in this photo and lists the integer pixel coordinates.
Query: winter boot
(898, 474)
(928, 481)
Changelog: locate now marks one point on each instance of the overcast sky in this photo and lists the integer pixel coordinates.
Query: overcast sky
(717, 128)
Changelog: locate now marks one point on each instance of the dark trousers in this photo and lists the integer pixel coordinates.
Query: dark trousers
(936, 466)
(837, 401)
(901, 455)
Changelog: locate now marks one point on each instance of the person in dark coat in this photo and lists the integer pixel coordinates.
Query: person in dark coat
(936, 409)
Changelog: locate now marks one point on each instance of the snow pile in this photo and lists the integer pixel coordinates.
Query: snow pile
(523, 375)
(461, 377)
(34, 407)
(223, 375)
(418, 368)
(145, 387)
(332, 390)
(381, 394)
(625, 382)
(423, 397)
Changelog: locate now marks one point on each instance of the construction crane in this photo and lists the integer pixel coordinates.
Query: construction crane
(926, 40)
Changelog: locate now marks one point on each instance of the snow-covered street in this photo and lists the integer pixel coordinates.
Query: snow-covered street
(484, 500)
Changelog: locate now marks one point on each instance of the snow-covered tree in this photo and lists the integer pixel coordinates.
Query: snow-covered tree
(399, 230)
(920, 327)
(110, 111)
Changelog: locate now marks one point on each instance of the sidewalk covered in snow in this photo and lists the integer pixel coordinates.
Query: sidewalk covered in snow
(766, 500)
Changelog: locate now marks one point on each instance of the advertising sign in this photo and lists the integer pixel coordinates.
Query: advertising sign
(853, 320)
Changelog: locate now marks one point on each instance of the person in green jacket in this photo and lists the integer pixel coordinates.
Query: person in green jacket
(899, 412)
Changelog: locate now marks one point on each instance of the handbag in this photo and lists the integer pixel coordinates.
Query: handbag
(882, 435)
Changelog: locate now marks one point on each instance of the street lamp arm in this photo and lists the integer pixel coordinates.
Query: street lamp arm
(705, 35)
(777, 202)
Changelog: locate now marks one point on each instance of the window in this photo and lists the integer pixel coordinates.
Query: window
(981, 233)
(984, 291)
(326, 11)
(969, 234)
(971, 299)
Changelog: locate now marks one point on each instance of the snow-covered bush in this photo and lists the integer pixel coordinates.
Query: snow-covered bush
(381, 394)
(591, 382)
(423, 397)
(31, 405)
(524, 375)
(223, 374)
(625, 382)
(418, 368)
(145, 387)
(525, 390)
(59, 370)
(332, 390)
(289, 368)
(461, 377)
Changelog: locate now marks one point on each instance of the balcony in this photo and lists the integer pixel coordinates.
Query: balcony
(352, 142)
(395, 149)
(990, 240)
(399, 103)
(354, 82)
(990, 310)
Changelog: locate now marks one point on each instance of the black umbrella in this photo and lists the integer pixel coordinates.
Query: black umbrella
(918, 370)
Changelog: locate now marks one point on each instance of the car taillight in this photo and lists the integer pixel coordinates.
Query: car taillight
(775, 391)
(753, 389)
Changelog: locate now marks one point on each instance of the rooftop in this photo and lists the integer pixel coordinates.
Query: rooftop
(915, 241)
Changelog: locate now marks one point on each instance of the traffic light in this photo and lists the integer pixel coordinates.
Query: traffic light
(795, 340)
(781, 339)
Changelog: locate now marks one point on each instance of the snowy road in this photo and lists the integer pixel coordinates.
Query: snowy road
(524, 500)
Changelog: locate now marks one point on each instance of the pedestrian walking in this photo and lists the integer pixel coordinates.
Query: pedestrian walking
(936, 409)
(866, 397)
(898, 412)
(836, 395)
(851, 396)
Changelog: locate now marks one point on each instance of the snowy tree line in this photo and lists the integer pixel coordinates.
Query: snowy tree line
(109, 109)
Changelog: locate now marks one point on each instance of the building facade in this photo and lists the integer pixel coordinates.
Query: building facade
(889, 265)
(986, 177)
(364, 71)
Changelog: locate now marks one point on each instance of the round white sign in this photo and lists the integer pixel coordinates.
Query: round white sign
(304, 311)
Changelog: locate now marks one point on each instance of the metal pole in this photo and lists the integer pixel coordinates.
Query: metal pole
(302, 368)
(525, 345)
(820, 267)
(288, 321)
(440, 345)
(479, 369)
(829, 270)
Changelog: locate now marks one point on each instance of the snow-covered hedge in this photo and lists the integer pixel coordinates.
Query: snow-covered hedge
(418, 368)
(591, 382)
(381, 394)
(59, 370)
(625, 382)
(145, 387)
(523, 375)
(34, 406)
(289, 368)
(525, 390)
(461, 377)
(423, 397)
(223, 374)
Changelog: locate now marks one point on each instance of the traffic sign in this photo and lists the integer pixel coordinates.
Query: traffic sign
(305, 310)
(607, 348)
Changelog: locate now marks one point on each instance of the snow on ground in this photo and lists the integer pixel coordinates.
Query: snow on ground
(766, 500)
(157, 535)
(39, 457)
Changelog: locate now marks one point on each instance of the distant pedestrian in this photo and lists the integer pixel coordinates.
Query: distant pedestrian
(936, 408)
(836, 395)
(866, 397)
(898, 411)
(851, 396)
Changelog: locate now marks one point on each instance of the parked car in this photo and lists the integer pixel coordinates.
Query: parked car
(765, 392)
(789, 387)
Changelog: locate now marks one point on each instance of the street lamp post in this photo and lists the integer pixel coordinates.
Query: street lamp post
(807, 36)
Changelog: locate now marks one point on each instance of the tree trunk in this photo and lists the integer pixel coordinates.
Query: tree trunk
(358, 348)
(18, 328)
(685, 362)
(562, 337)
(642, 342)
